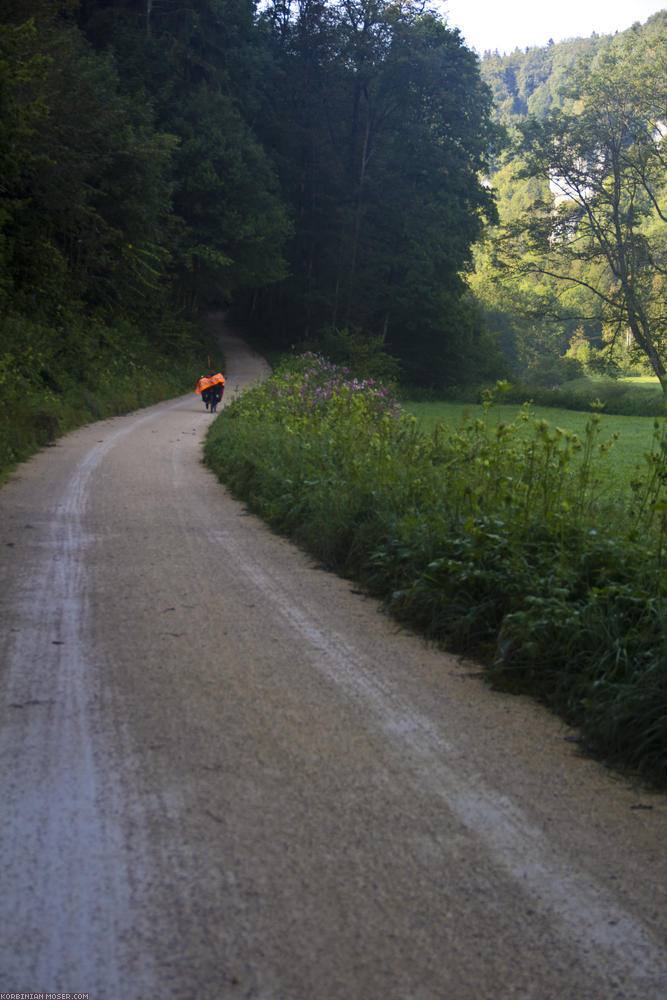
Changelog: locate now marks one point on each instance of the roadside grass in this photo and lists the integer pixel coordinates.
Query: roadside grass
(497, 539)
(46, 390)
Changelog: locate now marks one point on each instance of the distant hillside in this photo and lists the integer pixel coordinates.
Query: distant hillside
(528, 82)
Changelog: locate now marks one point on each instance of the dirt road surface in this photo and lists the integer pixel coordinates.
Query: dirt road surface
(226, 775)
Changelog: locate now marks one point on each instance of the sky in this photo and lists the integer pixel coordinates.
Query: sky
(509, 24)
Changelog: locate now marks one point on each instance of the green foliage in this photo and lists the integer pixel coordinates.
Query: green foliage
(582, 201)
(616, 396)
(381, 128)
(86, 200)
(197, 69)
(604, 157)
(529, 82)
(365, 357)
(496, 538)
(90, 370)
(132, 193)
(225, 194)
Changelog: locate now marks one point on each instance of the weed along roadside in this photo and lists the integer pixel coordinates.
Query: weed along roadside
(494, 543)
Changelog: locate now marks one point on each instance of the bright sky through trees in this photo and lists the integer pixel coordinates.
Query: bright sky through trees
(487, 24)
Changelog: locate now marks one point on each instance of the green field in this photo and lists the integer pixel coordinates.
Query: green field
(617, 467)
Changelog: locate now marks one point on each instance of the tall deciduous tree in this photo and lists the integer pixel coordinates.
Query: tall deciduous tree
(605, 156)
(393, 127)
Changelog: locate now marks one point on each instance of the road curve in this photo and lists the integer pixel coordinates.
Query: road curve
(224, 774)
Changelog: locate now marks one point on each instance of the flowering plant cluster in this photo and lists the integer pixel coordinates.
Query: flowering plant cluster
(313, 386)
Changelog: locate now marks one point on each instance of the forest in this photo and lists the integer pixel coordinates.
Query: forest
(343, 176)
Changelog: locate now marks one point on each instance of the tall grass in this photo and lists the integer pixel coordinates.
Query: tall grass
(632, 435)
(496, 538)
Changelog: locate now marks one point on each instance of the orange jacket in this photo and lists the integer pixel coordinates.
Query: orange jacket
(208, 380)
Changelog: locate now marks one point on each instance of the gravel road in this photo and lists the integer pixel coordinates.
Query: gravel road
(225, 774)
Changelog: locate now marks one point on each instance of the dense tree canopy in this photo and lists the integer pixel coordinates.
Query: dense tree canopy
(85, 194)
(187, 60)
(316, 166)
(383, 130)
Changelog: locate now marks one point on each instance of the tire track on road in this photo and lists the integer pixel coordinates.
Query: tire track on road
(615, 944)
(66, 895)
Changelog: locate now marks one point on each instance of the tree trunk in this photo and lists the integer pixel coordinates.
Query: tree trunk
(357, 215)
(642, 335)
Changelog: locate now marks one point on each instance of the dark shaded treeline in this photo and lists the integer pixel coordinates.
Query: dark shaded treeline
(315, 167)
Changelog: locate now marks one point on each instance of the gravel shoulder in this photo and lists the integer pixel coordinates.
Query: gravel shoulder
(224, 773)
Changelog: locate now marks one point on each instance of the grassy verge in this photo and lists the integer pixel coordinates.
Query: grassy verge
(495, 539)
(51, 383)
